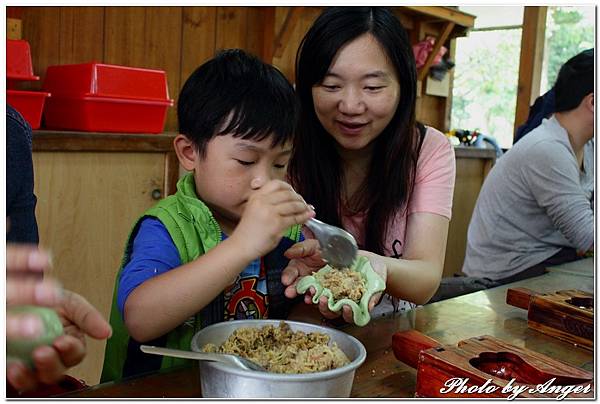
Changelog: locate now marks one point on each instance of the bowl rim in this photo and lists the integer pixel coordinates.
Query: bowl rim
(328, 374)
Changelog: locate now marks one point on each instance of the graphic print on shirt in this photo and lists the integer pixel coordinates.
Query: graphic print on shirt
(247, 297)
(397, 247)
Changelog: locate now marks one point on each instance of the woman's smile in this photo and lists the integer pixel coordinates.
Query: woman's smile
(350, 128)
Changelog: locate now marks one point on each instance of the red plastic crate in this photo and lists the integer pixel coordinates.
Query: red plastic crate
(18, 60)
(106, 80)
(105, 114)
(29, 103)
(98, 97)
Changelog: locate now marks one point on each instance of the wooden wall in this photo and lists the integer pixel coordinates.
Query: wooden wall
(177, 40)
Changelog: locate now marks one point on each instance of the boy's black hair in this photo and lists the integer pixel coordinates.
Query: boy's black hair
(236, 93)
(575, 80)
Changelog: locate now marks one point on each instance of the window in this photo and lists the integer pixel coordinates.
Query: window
(569, 30)
(484, 93)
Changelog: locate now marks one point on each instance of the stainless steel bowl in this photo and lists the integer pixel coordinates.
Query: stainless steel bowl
(221, 380)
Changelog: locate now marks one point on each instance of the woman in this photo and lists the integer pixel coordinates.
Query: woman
(373, 170)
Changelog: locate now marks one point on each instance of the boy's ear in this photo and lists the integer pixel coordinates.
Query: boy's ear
(186, 152)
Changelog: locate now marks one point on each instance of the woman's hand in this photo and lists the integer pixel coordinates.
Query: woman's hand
(305, 258)
(379, 267)
(25, 284)
(24, 265)
(78, 318)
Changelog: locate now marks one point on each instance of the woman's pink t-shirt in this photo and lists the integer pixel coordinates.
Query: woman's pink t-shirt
(433, 190)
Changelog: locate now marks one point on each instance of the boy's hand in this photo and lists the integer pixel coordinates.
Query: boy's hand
(270, 211)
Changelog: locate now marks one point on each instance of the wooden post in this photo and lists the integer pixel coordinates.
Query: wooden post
(448, 106)
(530, 65)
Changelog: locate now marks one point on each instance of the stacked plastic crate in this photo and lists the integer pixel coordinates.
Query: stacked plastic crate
(18, 69)
(98, 97)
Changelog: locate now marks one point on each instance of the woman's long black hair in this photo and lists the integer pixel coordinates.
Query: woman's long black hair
(315, 168)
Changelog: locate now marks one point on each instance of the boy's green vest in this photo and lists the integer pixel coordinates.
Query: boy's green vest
(194, 231)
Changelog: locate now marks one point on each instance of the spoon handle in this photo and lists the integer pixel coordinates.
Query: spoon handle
(178, 353)
(317, 227)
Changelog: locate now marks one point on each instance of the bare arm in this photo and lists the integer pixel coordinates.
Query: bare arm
(416, 276)
(174, 296)
(169, 299)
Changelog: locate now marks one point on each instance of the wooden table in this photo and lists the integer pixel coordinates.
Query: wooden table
(381, 375)
(583, 267)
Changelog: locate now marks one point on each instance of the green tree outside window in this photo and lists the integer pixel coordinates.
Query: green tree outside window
(487, 66)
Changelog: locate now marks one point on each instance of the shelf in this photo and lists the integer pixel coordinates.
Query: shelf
(474, 152)
(453, 23)
(55, 140)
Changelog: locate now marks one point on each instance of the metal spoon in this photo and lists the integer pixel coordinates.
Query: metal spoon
(338, 247)
(234, 360)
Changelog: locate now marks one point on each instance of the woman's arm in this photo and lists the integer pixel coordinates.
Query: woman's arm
(416, 276)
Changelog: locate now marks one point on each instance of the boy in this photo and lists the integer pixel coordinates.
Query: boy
(214, 250)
